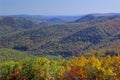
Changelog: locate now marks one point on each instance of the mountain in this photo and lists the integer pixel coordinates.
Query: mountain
(49, 19)
(87, 33)
(43, 20)
(105, 14)
(10, 24)
(86, 18)
(69, 18)
(97, 17)
(56, 21)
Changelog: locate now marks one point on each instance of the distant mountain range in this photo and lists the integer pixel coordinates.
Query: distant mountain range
(61, 35)
(49, 18)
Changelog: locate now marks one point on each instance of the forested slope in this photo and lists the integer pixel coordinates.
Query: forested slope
(85, 34)
(12, 55)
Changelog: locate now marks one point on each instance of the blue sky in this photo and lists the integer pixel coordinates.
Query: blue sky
(58, 7)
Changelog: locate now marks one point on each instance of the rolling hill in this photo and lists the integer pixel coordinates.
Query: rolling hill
(10, 24)
(87, 33)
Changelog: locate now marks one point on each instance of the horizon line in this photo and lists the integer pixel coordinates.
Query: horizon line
(58, 14)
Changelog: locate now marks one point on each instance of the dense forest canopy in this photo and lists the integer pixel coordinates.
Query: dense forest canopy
(37, 35)
(60, 47)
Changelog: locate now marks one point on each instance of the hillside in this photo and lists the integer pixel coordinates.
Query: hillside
(89, 32)
(10, 24)
(12, 55)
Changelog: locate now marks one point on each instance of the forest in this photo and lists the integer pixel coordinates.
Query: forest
(76, 68)
(60, 47)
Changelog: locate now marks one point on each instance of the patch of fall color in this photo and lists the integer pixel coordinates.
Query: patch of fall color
(77, 68)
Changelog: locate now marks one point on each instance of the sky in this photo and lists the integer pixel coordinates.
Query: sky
(58, 7)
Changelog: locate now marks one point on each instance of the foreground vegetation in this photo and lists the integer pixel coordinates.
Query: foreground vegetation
(77, 68)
